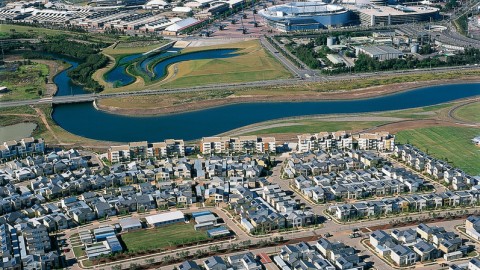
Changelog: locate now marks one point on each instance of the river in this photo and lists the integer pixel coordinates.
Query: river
(84, 120)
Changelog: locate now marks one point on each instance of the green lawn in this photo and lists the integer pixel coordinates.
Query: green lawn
(27, 82)
(162, 237)
(253, 64)
(79, 252)
(317, 126)
(127, 48)
(448, 143)
(5, 29)
(470, 112)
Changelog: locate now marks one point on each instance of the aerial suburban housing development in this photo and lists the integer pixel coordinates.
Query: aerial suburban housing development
(240, 134)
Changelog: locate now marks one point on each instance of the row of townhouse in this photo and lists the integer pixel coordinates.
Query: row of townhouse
(242, 261)
(144, 174)
(473, 264)
(324, 255)
(405, 204)
(241, 144)
(380, 141)
(352, 183)
(23, 147)
(268, 208)
(26, 245)
(331, 162)
(20, 170)
(424, 243)
(245, 166)
(144, 150)
(437, 169)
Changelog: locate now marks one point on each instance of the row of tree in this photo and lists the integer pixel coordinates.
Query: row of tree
(365, 63)
(83, 73)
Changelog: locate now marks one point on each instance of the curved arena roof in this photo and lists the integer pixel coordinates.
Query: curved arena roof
(301, 9)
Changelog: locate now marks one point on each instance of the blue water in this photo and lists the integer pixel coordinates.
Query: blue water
(129, 58)
(119, 76)
(64, 84)
(146, 62)
(84, 120)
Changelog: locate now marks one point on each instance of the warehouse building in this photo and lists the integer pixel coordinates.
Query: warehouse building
(181, 26)
(165, 219)
(380, 53)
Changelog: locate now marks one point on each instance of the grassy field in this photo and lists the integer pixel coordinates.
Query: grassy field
(316, 126)
(162, 237)
(448, 143)
(5, 29)
(28, 82)
(253, 64)
(125, 48)
(470, 112)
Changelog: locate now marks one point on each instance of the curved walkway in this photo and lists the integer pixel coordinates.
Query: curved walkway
(451, 112)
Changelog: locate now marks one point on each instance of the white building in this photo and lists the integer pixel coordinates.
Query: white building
(165, 219)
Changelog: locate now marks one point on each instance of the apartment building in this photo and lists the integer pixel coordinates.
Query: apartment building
(142, 150)
(26, 146)
(241, 144)
(382, 141)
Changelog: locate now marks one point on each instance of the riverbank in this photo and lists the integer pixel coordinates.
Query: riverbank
(349, 90)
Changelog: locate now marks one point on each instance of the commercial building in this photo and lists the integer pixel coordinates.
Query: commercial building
(165, 219)
(372, 15)
(181, 26)
(379, 53)
(302, 16)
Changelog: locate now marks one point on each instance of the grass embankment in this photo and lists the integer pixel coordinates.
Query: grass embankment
(27, 82)
(123, 49)
(133, 47)
(452, 144)
(162, 237)
(253, 64)
(470, 112)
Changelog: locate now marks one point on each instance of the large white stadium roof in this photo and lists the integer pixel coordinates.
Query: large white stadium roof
(301, 9)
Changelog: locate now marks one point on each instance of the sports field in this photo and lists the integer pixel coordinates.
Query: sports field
(162, 237)
(452, 144)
